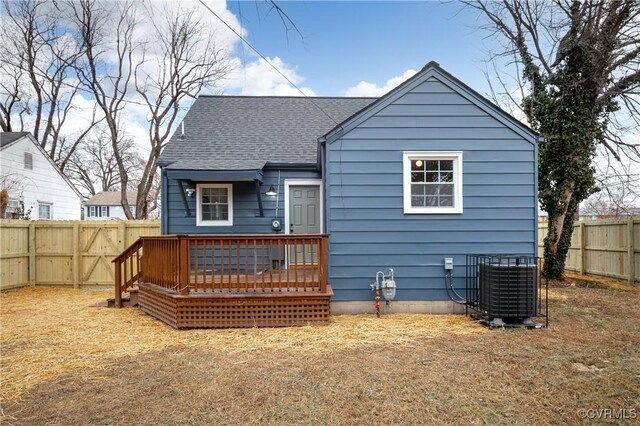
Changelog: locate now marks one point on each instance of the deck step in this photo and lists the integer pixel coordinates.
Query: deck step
(129, 298)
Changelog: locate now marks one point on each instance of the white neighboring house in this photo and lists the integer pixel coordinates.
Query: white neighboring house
(30, 175)
(106, 205)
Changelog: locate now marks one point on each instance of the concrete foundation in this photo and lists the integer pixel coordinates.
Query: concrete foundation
(399, 307)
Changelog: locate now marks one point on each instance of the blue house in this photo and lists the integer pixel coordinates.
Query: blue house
(429, 171)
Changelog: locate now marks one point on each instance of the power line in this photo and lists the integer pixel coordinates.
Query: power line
(267, 61)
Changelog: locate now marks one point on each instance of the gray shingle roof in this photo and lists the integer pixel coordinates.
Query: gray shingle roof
(245, 132)
(7, 137)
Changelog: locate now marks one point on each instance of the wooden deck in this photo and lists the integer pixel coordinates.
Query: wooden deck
(201, 281)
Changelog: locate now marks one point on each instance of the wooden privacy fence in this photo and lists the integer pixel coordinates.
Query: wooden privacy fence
(608, 248)
(65, 253)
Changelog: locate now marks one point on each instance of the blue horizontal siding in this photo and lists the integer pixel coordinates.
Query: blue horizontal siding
(392, 190)
(394, 166)
(473, 154)
(442, 133)
(364, 207)
(395, 214)
(427, 143)
(345, 178)
(245, 206)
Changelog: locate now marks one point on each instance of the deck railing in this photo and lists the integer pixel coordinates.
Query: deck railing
(225, 263)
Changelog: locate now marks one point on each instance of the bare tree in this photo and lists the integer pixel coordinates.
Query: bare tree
(39, 81)
(13, 98)
(105, 67)
(93, 166)
(181, 61)
(618, 197)
(581, 60)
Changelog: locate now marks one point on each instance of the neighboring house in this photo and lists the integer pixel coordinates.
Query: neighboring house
(30, 175)
(430, 170)
(106, 205)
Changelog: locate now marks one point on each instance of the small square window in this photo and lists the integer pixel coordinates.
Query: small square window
(214, 205)
(44, 211)
(432, 182)
(12, 207)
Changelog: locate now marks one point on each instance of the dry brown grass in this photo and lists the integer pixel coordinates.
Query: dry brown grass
(50, 332)
(64, 362)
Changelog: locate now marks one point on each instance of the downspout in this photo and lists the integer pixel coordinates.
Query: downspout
(164, 207)
(535, 195)
(323, 177)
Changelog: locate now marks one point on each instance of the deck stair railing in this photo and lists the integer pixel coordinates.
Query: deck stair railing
(225, 263)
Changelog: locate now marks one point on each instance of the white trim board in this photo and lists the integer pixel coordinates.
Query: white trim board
(300, 182)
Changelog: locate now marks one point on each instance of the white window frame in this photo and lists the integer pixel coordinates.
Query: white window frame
(104, 211)
(199, 188)
(50, 205)
(28, 161)
(456, 156)
(91, 211)
(13, 204)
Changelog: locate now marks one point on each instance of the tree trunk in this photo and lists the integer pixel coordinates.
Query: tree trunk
(558, 240)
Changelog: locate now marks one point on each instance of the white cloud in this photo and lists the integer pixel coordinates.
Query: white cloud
(259, 78)
(364, 88)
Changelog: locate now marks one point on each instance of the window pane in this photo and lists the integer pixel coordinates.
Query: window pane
(431, 201)
(445, 189)
(446, 201)
(432, 165)
(215, 212)
(431, 177)
(44, 211)
(417, 165)
(214, 195)
(446, 164)
(446, 177)
(417, 177)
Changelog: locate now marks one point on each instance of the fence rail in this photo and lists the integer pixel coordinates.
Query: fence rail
(65, 253)
(608, 248)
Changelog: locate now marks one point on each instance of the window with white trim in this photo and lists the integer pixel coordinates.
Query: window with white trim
(214, 204)
(12, 207)
(432, 182)
(104, 211)
(44, 210)
(92, 211)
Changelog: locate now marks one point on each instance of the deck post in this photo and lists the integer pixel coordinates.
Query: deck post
(322, 262)
(118, 284)
(184, 263)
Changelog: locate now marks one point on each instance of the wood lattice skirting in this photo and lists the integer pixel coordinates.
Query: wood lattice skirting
(229, 309)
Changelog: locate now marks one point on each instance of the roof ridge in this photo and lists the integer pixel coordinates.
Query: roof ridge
(287, 97)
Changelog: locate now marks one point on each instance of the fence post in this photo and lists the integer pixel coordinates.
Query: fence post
(631, 265)
(184, 263)
(76, 255)
(32, 254)
(583, 249)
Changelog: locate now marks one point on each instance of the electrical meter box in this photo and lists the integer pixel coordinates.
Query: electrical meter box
(448, 263)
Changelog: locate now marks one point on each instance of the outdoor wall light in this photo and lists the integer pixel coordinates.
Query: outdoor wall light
(190, 192)
(271, 192)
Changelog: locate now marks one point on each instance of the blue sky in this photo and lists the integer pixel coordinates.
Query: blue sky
(347, 42)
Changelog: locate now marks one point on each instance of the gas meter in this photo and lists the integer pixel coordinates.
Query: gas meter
(389, 288)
